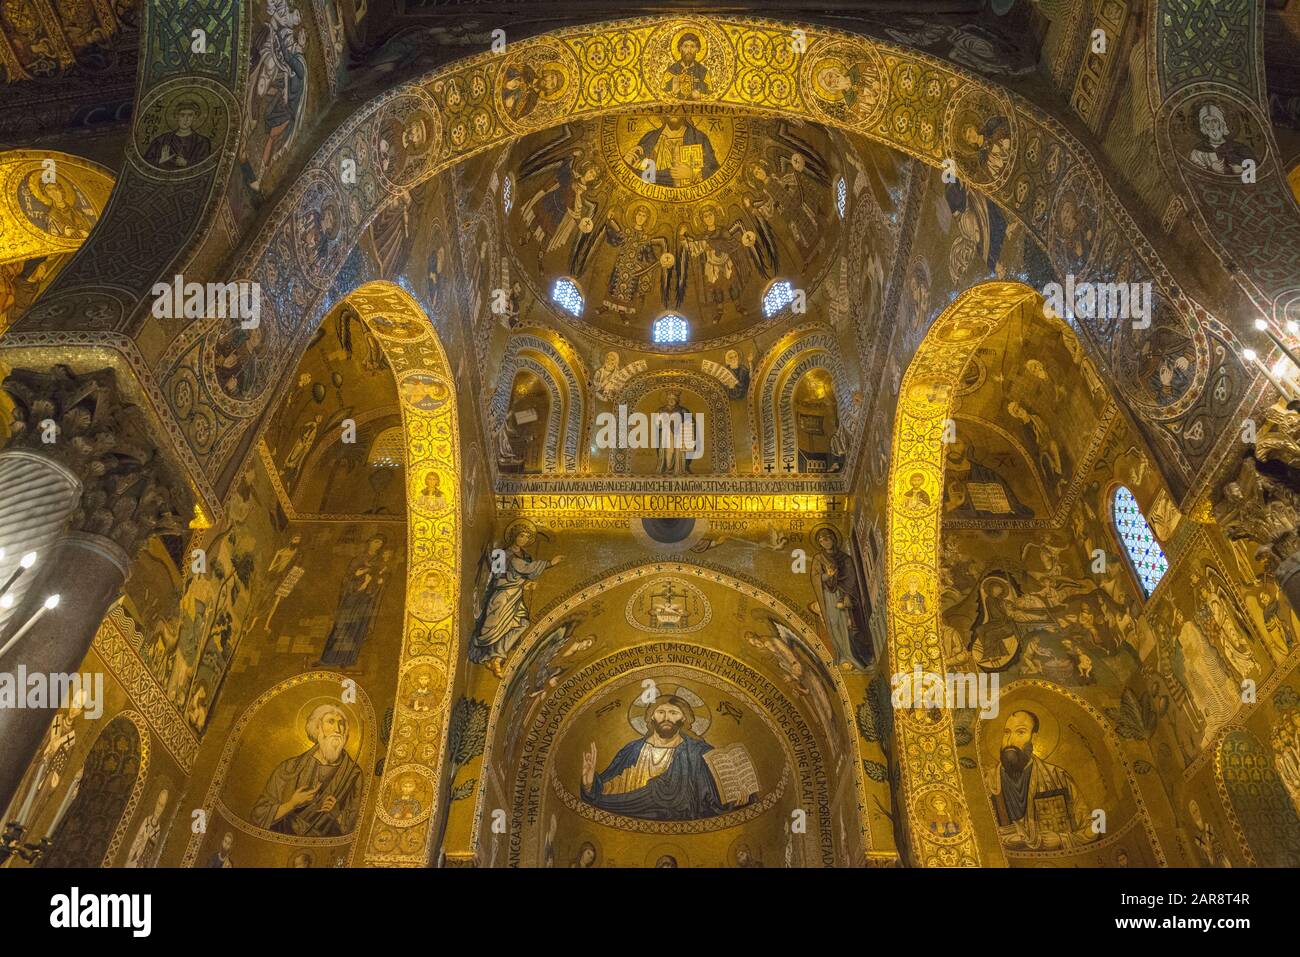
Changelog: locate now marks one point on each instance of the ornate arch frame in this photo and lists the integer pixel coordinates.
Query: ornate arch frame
(429, 404)
(527, 349)
(925, 742)
(910, 101)
(24, 237)
(773, 426)
(716, 437)
(777, 607)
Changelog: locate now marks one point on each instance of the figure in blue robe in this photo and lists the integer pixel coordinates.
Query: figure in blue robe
(683, 791)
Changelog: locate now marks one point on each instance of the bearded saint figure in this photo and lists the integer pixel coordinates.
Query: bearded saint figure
(316, 793)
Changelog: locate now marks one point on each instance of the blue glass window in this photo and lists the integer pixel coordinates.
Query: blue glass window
(566, 294)
(671, 328)
(1144, 552)
(779, 295)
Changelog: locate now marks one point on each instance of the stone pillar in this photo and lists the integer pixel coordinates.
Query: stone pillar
(1262, 503)
(98, 489)
(87, 572)
(37, 495)
(1288, 576)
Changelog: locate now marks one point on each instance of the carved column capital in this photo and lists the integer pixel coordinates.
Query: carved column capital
(80, 421)
(1262, 503)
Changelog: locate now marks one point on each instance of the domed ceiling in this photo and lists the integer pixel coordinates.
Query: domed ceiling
(691, 211)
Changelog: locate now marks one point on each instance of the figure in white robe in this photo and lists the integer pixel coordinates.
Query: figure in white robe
(1213, 692)
(148, 836)
(1223, 630)
(505, 615)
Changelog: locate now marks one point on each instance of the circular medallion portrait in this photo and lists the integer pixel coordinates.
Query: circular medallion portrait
(980, 136)
(423, 391)
(845, 82)
(1216, 135)
(181, 127)
(674, 154)
(537, 86)
(689, 61)
(407, 141)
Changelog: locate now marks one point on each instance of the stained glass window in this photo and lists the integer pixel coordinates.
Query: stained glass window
(388, 450)
(671, 328)
(842, 197)
(779, 295)
(566, 294)
(1144, 552)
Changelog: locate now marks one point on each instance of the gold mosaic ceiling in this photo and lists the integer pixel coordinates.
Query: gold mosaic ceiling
(695, 211)
(43, 38)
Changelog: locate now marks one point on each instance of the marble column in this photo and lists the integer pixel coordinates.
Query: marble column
(37, 495)
(87, 572)
(1288, 577)
(96, 490)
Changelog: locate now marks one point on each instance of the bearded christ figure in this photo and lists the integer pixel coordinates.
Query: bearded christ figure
(660, 777)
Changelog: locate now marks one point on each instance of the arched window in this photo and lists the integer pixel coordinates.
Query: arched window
(842, 197)
(388, 451)
(1144, 552)
(671, 328)
(778, 295)
(566, 294)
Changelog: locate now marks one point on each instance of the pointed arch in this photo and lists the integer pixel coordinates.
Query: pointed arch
(717, 436)
(926, 744)
(1261, 814)
(36, 237)
(1045, 171)
(531, 350)
(427, 396)
(1146, 559)
(774, 605)
(772, 416)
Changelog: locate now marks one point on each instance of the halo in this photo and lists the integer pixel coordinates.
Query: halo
(819, 70)
(637, 707)
(676, 851)
(698, 216)
(188, 96)
(37, 187)
(515, 526)
(311, 704)
(830, 528)
(701, 37)
(651, 216)
(1048, 737)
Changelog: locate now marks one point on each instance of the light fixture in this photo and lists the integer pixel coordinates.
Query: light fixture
(24, 563)
(1250, 355)
(1262, 325)
(50, 603)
